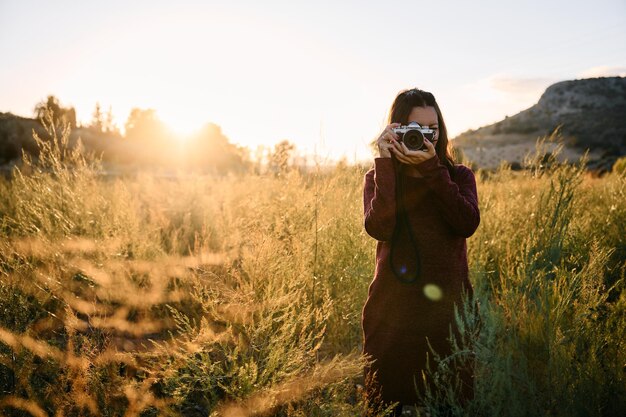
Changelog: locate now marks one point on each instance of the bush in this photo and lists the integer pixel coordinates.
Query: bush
(619, 167)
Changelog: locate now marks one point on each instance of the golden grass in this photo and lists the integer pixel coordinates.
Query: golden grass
(241, 296)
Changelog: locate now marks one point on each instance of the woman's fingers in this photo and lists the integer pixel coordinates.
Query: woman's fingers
(408, 156)
(430, 149)
(386, 146)
(398, 145)
(387, 141)
(429, 146)
(406, 150)
(391, 127)
(388, 133)
(382, 139)
(399, 155)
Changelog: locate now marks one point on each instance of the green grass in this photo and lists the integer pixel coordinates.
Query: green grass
(242, 295)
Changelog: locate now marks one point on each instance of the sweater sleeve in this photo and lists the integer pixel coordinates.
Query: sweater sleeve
(379, 200)
(458, 199)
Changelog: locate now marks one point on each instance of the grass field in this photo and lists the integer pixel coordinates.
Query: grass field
(242, 295)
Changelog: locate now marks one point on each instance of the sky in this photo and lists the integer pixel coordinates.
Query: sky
(320, 74)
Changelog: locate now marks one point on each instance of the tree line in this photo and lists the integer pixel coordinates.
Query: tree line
(146, 140)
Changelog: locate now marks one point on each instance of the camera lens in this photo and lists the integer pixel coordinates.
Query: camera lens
(413, 139)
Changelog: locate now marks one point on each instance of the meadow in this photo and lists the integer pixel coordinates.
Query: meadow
(241, 295)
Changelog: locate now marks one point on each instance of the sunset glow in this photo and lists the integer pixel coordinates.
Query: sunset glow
(321, 76)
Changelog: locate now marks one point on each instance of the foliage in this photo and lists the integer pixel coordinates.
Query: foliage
(619, 167)
(213, 295)
(144, 125)
(211, 151)
(280, 158)
(61, 115)
(102, 122)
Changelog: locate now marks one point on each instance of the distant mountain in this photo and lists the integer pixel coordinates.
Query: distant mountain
(591, 114)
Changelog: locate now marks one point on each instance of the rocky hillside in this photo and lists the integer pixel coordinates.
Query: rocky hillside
(591, 114)
(16, 133)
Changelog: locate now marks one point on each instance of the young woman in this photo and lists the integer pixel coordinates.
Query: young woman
(420, 207)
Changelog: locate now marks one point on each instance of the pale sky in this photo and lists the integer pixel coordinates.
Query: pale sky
(321, 74)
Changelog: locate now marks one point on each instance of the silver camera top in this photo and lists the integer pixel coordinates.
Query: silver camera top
(414, 126)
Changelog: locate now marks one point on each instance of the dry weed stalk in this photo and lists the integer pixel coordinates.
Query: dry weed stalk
(41, 349)
(263, 403)
(29, 406)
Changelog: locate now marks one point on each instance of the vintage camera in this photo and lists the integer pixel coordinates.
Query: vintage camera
(413, 135)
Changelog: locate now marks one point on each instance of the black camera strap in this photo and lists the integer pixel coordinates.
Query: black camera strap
(403, 223)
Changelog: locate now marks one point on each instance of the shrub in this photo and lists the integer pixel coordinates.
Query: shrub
(619, 167)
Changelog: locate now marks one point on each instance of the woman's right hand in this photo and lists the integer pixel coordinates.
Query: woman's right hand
(386, 140)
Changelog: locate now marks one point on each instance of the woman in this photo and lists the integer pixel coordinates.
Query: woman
(420, 207)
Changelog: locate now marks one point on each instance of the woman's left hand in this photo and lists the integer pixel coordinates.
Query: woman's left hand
(409, 157)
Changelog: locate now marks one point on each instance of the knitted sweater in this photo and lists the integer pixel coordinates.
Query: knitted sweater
(399, 317)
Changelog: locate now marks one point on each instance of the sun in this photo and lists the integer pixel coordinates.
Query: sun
(183, 123)
(182, 129)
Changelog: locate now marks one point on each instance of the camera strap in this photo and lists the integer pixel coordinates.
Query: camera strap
(403, 223)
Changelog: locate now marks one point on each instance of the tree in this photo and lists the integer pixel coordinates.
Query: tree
(153, 143)
(103, 122)
(97, 123)
(210, 150)
(61, 115)
(144, 125)
(109, 125)
(280, 159)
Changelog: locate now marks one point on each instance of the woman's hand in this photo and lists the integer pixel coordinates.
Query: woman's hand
(386, 140)
(409, 157)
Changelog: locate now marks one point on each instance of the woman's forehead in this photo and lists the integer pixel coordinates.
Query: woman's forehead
(424, 115)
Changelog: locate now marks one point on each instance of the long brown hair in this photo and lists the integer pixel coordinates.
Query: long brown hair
(401, 109)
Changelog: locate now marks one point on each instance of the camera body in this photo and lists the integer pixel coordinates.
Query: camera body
(413, 135)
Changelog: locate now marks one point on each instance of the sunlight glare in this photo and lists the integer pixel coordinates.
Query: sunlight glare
(184, 122)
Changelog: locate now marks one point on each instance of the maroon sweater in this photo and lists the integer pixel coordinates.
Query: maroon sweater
(398, 317)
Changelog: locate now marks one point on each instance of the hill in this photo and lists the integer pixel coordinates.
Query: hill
(591, 114)
(16, 133)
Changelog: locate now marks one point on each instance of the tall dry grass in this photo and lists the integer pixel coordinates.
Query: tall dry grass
(240, 296)
(185, 296)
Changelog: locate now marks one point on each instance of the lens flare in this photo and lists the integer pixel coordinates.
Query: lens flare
(433, 292)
